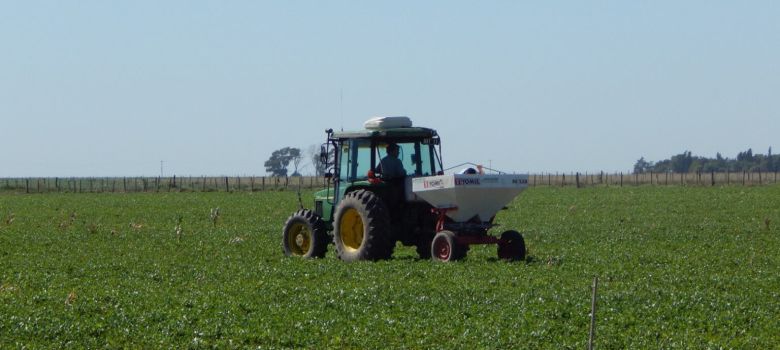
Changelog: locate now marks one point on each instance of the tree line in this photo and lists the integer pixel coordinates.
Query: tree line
(685, 162)
(281, 160)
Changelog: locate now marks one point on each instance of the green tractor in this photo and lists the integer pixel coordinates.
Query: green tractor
(369, 204)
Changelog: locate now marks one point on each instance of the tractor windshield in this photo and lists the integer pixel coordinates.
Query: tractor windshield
(417, 158)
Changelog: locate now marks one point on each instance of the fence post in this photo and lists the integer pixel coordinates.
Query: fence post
(621, 179)
(227, 184)
(592, 332)
(263, 178)
(743, 178)
(578, 180)
(712, 177)
(759, 177)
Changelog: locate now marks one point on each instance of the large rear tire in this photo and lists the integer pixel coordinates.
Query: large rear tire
(304, 235)
(512, 246)
(361, 228)
(445, 248)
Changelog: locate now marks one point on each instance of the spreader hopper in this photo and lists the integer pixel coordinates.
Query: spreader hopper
(464, 196)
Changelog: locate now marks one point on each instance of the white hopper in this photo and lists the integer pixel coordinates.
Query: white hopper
(481, 195)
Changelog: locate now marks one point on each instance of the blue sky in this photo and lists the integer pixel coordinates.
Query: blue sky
(111, 88)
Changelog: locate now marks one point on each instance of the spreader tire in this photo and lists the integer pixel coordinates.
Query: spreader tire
(445, 248)
(361, 228)
(304, 235)
(512, 246)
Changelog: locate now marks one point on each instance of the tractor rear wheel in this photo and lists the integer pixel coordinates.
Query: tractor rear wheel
(512, 246)
(304, 235)
(361, 228)
(445, 248)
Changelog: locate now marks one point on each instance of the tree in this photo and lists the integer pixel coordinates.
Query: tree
(686, 162)
(681, 163)
(280, 160)
(296, 160)
(314, 154)
(642, 166)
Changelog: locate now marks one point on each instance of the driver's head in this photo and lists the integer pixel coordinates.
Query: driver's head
(392, 149)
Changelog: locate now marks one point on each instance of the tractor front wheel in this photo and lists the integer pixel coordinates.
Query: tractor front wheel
(512, 246)
(361, 228)
(445, 248)
(304, 235)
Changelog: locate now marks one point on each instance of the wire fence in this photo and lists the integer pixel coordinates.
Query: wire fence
(264, 183)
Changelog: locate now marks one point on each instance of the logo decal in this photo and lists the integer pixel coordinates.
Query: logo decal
(433, 183)
(462, 182)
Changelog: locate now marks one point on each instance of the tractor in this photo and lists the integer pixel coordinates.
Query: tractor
(369, 206)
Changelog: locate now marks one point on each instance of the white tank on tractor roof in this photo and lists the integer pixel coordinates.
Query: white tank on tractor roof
(379, 123)
(464, 196)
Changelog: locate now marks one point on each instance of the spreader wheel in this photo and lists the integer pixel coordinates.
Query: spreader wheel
(445, 248)
(304, 235)
(512, 246)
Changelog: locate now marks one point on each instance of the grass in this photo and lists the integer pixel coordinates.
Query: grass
(679, 268)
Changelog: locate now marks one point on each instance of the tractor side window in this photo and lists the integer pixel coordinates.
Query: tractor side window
(355, 160)
(363, 161)
(426, 163)
(408, 157)
(346, 161)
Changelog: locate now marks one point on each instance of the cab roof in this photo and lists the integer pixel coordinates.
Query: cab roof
(410, 132)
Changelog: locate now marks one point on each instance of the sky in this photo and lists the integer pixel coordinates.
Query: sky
(114, 88)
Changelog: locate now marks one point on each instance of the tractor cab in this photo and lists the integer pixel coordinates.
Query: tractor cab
(354, 161)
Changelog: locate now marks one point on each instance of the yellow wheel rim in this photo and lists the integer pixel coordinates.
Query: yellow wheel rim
(299, 239)
(351, 229)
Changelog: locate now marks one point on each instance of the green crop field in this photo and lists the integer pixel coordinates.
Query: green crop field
(678, 267)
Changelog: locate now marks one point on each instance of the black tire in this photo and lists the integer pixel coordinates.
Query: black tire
(512, 246)
(304, 235)
(361, 228)
(445, 248)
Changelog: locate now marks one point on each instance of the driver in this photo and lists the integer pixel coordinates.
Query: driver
(390, 166)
